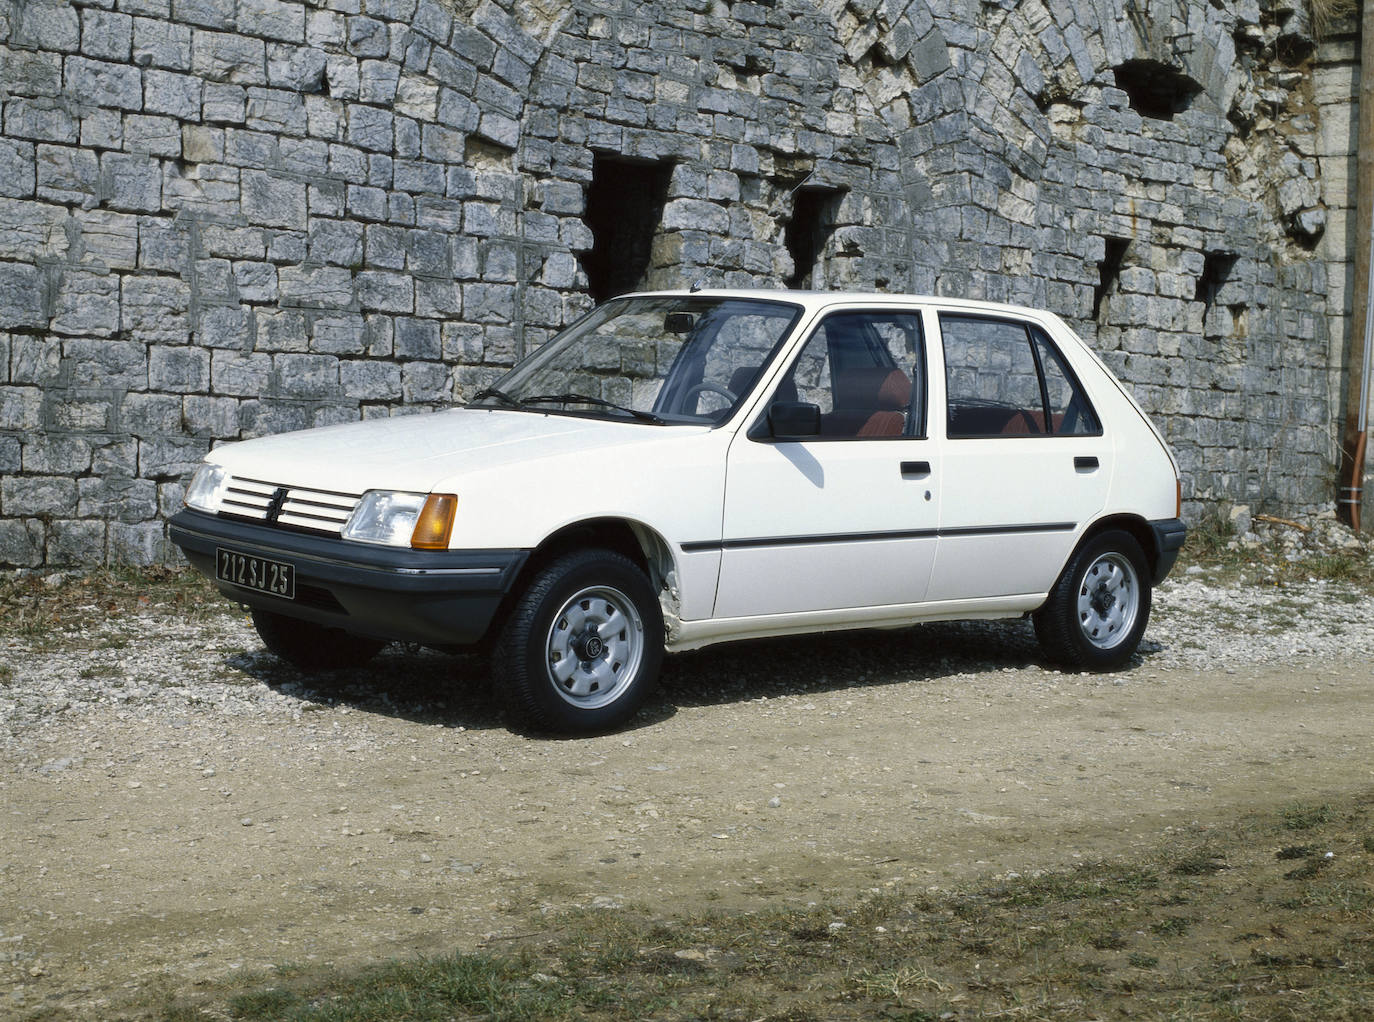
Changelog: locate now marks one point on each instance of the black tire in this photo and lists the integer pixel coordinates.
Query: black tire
(310, 647)
(582, 647)
(1097, 611)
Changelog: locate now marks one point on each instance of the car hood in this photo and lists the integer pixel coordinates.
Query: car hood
(419, 452)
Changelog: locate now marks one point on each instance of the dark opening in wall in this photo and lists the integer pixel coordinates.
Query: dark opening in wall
(812, 223)
(1216, 272)
(1108, 270)
(1156, 89)
(624, 209)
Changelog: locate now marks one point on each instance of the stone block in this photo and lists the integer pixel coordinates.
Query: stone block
(318, 287)
(263, 418)
(106, 35)
(273, 201)
(306, 376)
(419, 176)
(377, 81)
(366, 380)
(382, 291)
(204, 416)
(155, 309)
(35, 359)
(226, 57)
(272, 19)
(18, 168)
(140, 545)
(223, 326)
(337, 242)
(75, 543)
(21, 409)
(223, 103)
(368, 37)
(173, 94)
(417, 339)
(21, 296)
(161, 44)
(238, 375)
(87, 304)
(147, 415)
(276, 111)
(156, 136)
(21, 539)
(371, 128)
(255, 281)
(35, 495)
(437, 298)
(56, 455)
(282, 330)
(46, 120)
(425, 382)
(298, 69)
(103, 83)
(179, 369)
(131, 183)
(45, 26)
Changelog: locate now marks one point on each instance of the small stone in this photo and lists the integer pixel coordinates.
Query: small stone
(425, 857)
(247, 821)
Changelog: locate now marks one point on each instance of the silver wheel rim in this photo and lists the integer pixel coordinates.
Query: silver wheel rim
(1108, 600)
(594, 647)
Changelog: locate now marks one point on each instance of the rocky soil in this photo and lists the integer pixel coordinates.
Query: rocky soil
(179, 807)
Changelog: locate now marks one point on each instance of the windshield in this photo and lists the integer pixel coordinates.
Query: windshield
(662, 359)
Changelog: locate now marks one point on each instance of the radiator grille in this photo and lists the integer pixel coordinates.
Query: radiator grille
(295, 507)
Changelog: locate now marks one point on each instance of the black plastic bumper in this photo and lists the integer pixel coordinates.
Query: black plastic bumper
(438, 598)
(1169, 537)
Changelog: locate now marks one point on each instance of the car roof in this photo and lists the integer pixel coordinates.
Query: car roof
(816, 300)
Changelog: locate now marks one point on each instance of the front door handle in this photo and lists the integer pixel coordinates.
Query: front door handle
(915, 469)
(1085, 464)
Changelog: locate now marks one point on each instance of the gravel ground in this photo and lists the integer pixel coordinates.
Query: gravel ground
(155, 665)
(180, 806)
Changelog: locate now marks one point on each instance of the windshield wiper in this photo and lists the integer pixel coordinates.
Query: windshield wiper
(500, 395)
(587, 399)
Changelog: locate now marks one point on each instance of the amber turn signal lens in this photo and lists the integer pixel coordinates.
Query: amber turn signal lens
(435, 523)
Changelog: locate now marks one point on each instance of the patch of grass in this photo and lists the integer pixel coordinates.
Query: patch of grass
(1059, 945)
(42, 609)
(1303, 817)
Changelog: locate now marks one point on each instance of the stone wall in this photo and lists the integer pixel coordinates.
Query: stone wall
(225, 218)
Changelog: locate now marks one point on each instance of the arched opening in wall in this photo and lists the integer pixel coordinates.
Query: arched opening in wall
(1156, 89)
(814, 212)
(1108, 271)
(624, 209)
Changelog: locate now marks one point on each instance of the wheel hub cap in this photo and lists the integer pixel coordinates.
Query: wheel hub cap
(594, 647)
(1108, 600)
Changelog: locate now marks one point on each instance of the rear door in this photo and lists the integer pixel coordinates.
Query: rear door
(1026, 459)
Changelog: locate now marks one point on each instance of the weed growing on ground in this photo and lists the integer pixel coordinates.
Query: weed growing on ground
(1257, 938)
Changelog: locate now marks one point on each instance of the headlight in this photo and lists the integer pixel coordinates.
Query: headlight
(419, 520)
(207, 488)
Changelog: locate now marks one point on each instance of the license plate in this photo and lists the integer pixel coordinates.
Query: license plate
(277, 578)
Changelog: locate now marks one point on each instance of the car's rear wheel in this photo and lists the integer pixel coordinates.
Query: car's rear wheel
(583, 645)
(311, 647)
(1097, 611)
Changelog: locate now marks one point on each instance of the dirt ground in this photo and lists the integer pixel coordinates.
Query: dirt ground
(174, 843)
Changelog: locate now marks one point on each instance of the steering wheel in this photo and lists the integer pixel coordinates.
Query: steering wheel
(689, 397)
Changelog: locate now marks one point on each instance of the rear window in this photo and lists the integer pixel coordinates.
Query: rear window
(1004, 377)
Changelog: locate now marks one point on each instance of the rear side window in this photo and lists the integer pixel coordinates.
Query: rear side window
(1006, 378)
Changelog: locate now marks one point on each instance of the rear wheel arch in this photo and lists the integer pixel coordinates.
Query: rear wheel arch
(1137, 526)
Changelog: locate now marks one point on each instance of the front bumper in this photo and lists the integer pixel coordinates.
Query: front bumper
(438, 598)
(1169, 536)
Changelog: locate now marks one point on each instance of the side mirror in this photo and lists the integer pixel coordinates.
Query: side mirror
(794, 420)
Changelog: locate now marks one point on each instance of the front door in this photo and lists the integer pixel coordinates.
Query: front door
(847, 517)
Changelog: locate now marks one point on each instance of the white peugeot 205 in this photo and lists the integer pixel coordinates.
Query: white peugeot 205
(683, 468)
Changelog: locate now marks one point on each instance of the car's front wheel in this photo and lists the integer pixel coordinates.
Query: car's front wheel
(311, 647)
(583, 645)
(1097, 611)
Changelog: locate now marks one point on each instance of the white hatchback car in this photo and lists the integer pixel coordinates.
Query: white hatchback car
(683, 468)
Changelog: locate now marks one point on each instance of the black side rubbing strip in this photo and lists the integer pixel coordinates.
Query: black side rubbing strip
(703, 546)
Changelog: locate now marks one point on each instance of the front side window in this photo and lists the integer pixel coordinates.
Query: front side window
(662, 359)
(865, 371)
(1006, 378)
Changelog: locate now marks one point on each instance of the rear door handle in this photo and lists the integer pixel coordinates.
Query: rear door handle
(915, 469)
(1085, 464)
